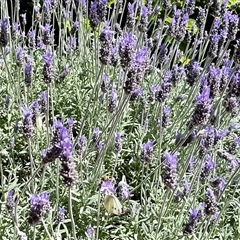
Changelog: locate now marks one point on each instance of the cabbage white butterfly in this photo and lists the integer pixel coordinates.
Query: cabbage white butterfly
(113, 205)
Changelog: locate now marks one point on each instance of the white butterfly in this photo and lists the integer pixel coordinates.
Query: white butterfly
(113, 205)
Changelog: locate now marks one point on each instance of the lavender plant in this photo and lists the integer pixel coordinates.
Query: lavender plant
(144, 93)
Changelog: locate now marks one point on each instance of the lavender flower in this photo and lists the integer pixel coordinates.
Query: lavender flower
(32, 40)
(231, 104)
(189, 227)
(60, 215)
(191, 165)
(214, 77)
(167, 4)
(130, 16)
(165, 87)
(200, 21)
(28, 73)
(123, 189)
(94, 17)
(15, 31)
(90, 231)
(3, 33)
(202, 111)
(102, 10)
(81, 144)
(210, 203)
(143, 19)
(99, 147)
(177, 74)
(114, 56)
(48, 68)
(208, 140)
(153, 92)
(234, 146)
(147, 152)
(190, 6)
(207, 168)
(7, 102)
(47, 36)
(137, 71)
(162, 53)
(27, 123)
(96, 133)
(40, 206)
(127, 50)
(229, 158)
(107, 187)
(24, 19)
(170, 170)
(113, 99)
(178, 24)
(10, 203)
(47, 11)
(68, 171)
(74, 28)
(218, 182)
(165, 116)
(118, 142)
(43, 101)
(106, 37)
(105, 83)
(135, 94)
(192, 72)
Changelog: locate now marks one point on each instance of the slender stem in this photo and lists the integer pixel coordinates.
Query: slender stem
(71, 213)
(98, 215)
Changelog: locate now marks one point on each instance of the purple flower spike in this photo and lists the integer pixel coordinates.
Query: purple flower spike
(123, 189)
(207, 168)
(210, 203)
(48, 68)
(90, 231)
(15, 31)
(127, 50)
(135, 94)
(106, 37)
(218, 182)
(94, 17)
(60, 215)
(96, 133)
(47, 35)
(130, 16)
(10, 203)
(192, 72)
(136, 71)
(74, 27)
(202, 111)
(3, 34)
(144, 19)
(28, 73)
(165, 116)
(189, 227)
(170, 170)
(107, 187)
(118, 142)
(147, 151)
(81, 144)
(113, 100)
(27, 123)
(40, 206)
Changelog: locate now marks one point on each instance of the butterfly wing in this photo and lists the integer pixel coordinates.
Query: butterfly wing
(113, 205)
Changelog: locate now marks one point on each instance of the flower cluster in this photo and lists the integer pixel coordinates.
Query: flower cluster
(170, 177)
(40, 206)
